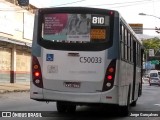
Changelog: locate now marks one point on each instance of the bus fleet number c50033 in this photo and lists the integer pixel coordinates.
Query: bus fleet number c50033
(90, 59)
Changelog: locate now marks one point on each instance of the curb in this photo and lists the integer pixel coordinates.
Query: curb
(12, 91)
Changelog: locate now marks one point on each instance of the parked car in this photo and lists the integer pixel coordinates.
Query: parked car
(145, 80)
(154, 81)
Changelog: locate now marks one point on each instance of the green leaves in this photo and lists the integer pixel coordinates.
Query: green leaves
(153, 43)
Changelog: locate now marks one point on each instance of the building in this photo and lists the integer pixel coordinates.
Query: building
(16, 30)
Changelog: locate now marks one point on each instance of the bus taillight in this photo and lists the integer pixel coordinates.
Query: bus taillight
(111, 70)
(35, 66)
(109, 76)
(36, 73)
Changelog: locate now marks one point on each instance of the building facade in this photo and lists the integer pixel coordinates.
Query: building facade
(16, 30)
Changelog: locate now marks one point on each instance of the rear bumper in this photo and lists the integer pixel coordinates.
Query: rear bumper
(109, 97)
(154, 83)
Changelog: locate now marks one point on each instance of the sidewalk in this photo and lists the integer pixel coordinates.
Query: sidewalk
(14, 87)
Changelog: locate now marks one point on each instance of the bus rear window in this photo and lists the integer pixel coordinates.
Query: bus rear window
(64, 27)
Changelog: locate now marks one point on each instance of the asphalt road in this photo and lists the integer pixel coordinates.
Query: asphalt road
(149, 101)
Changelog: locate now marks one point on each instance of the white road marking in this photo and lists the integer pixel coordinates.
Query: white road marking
(157, 104)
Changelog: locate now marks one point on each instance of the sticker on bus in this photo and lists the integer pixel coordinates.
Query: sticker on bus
(52, 69)
(49, 57)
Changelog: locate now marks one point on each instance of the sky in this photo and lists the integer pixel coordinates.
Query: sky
(129, 9)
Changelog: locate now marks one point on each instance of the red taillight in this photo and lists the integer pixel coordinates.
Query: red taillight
(36, 73)
(109, 76)
(110, 72)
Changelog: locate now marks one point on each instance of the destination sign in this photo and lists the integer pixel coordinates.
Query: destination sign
(98, 34)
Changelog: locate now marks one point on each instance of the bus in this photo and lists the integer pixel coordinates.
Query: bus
(85, 56)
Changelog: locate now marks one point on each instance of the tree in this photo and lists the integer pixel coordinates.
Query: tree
(153, 43)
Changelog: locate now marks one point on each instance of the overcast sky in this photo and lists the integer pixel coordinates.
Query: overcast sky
(129, 9)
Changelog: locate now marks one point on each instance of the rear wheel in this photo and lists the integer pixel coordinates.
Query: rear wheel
(134, 103)
(124, 110)
(61, 107)
(71, 108)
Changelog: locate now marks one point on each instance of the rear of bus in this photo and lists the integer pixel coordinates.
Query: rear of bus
(73, 56)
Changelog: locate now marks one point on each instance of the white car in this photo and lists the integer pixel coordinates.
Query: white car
(145, 80)
(154, 81)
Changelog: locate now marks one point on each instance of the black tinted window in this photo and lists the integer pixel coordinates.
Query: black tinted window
(153, 75)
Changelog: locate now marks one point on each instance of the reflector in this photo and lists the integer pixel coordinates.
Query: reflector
(37, 81)
(108, 84)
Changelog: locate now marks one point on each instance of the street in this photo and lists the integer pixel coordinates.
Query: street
(149, 101)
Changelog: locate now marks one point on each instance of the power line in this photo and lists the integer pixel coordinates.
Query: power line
(127, 3)
(131, 4)
(120, 3)
(70, 3)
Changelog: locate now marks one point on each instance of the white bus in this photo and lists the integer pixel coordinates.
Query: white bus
(85, 56)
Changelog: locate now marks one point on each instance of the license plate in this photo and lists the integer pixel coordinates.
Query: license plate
(72, 84)
(155, 81)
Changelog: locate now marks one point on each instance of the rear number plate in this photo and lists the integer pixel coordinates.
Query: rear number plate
(72, 84)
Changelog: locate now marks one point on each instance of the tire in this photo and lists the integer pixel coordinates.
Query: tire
(71, 108)
(134, 103)
(61, 107)
(124, 110)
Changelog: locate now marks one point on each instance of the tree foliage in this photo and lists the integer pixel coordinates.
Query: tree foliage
(153, 43)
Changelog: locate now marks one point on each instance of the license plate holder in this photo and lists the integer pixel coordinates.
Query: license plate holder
(155, 81)
(72, 84)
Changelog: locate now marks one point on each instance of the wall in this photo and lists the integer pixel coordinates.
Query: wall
(16, 27)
